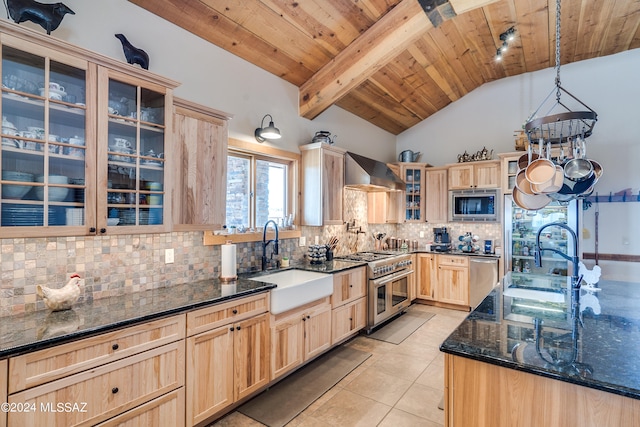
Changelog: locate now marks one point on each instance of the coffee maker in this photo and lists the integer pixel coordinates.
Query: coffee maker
(441, 240)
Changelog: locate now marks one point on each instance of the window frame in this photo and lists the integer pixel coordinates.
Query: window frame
(266, 153)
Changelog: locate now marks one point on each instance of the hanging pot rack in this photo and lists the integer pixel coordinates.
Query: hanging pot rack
(567, 125)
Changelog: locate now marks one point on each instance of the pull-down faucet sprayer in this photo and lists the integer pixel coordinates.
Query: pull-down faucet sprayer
(575, 281)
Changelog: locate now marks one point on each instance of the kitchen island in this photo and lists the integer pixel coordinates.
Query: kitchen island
(521, 358)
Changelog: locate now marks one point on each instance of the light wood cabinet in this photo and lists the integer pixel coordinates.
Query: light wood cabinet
(509, 170)
(453, 279)
(427, 276)
(322, 184)
(385, 207)
(162, 410)
(444, 279)
(482, 174)
(437, 205)
(112, 373)
(3, 390)
(347, 320)
(299, 335)
(349, 303)
(348, 286)
(228, 358)
(39, 367)
(91, 142)
(414, 196)
(470, 384)
(107, 390)
(200, 139)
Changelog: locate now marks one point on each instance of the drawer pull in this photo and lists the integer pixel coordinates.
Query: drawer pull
(115, 347)
(237, 328)
(231, 329)
(235, 311)
(114, 390)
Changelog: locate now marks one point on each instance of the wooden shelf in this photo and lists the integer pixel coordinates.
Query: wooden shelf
(221, 239)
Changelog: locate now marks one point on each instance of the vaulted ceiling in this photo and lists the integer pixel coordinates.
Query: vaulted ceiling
(396, 62)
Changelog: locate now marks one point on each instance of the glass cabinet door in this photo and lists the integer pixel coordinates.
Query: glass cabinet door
(413, 194)
(44, 122)
(135, 162)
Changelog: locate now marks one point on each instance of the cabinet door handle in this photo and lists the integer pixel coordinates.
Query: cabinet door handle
(304, 319)
(92, 230)
(114, 390)
(308, 317)
(103, 230)
(237, 328)
(234, 311)
(115, 346)
(231, 329)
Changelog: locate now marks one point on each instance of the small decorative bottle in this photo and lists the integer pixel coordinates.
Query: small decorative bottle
(516, 266)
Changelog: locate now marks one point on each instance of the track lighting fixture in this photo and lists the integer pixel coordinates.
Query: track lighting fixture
(506, 37)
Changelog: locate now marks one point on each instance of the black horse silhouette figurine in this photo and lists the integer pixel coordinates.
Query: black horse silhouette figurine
(133, 54)
(48, 16)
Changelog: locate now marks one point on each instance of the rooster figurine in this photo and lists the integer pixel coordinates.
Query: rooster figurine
(63, 298)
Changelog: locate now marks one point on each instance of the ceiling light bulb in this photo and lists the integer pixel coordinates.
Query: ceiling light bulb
(504, 47)
(498, 55)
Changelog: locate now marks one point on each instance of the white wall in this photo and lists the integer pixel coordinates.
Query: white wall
(489, 115)
(214, 77)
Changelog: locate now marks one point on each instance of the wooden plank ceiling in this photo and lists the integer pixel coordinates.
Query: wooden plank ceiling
(396, 62)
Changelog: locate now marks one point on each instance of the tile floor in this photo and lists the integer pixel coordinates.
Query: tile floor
(399, 385)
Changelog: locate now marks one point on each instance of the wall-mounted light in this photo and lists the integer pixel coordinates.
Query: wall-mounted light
(270, 132)
(506, 37)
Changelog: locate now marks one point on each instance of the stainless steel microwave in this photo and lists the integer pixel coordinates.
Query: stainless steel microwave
(475, 205)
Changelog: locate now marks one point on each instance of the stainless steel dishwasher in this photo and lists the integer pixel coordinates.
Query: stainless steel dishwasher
(483, 276)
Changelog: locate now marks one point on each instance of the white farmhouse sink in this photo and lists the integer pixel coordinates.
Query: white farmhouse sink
(296, 288)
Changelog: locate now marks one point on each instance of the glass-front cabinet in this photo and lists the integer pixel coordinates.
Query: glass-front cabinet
(83, 142)
(46, 140)
(132, 151)
(413, 176)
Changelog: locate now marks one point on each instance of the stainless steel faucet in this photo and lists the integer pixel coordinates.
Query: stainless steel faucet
(575, 280)
(266, 242)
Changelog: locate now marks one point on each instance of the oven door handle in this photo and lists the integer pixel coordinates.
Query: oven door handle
(395, 276)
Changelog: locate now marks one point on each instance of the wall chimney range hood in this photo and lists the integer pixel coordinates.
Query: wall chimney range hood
(364, 174)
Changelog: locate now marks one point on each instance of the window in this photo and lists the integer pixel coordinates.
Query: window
(259, 188)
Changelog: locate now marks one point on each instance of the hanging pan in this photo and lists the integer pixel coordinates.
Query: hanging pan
(555, 183)
(525, 159)
(530, 202)
(579, 168)
(542, 169)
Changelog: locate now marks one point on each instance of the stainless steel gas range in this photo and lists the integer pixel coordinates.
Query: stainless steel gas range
(388, 293)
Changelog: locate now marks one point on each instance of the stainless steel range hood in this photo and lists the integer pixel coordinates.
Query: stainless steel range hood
(362, 173)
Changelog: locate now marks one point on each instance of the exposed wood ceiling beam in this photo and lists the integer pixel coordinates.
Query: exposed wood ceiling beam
(398, 29)
(402, 26)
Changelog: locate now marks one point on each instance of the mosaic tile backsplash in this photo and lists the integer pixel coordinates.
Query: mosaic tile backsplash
(114, 265)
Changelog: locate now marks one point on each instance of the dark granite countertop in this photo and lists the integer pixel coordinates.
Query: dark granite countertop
(597, 349)
(34, 331)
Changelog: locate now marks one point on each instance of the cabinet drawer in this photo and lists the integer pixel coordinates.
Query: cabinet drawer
(349, 286)
(220, 314)
(165, 410)
(458, 260)
(46, 365)
(103, 392)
